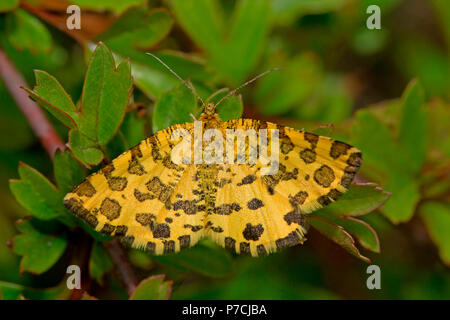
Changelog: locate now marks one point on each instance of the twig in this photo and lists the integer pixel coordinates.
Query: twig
(119, 258)
(36, 118)
(51, 142)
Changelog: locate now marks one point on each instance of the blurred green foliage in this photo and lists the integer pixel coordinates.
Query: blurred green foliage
(334, 70)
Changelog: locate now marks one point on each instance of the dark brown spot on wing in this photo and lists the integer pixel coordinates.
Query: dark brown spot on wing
(222, 182)
(145, 219)
(76, 207)
(261, 250)
(188, 206)
(247, 180)
(107, 229)
(354, 162)
(299, 198)
(110, 208)
(294, 217)
(160, 190)
(227, 208)
(114, 183)
(230, 243)
(312, 139)
(127, 241)
(134, 166)
(216, 229)
(282, 175)
(253, 232)
(338, 148)
(308, 156)
(185, 241)
(150, 247)
(193, 228)
(291, 239)
(141, 197)
(161, 230)
(286, 144)
(255, 204)
(85, 189)
(329, 197)
(324, 176)
(169, 246)
(121, 230)
(244, 248)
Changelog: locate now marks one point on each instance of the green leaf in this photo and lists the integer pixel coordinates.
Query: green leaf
(205, 258)
(284, 90)
(413, 126)
(437, 220)
(153, 78)
(8, 5)
(175, 106)
(14, 291)
(423, 58)
(116, 6)
(68, 172)
(99, 263)
(133, 129)
(287, 10)
(336, 234)
(369, 42)
(443, 12)
(153, 288)
(394, 161)
(25, 31)
(404, 199)
(438, 120)
(38, 195)
(105, 96)
(361, 230)
(379, 150)
(202, 20)
(230, 108)
(138, 28)
(234, 46)
(359, 200)
(330, 101)
(83, 148)
(248, 30)
(50, 95)
(131, 133)
(40, 250)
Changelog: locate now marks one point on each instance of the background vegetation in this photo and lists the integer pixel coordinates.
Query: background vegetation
(385, 91)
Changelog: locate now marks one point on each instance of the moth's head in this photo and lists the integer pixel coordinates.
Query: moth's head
(209, 109)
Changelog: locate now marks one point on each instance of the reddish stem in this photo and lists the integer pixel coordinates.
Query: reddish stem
(36, 118)
(119, 257)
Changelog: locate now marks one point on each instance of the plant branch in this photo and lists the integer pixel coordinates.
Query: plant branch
(51, 141)
(119, 258)
(14, 81)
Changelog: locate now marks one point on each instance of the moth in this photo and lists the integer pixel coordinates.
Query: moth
(153, 202)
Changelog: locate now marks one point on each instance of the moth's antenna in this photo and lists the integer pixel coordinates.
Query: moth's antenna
(247, 83)
(186, 83)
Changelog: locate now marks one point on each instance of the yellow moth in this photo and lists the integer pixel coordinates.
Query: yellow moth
(154, 201)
